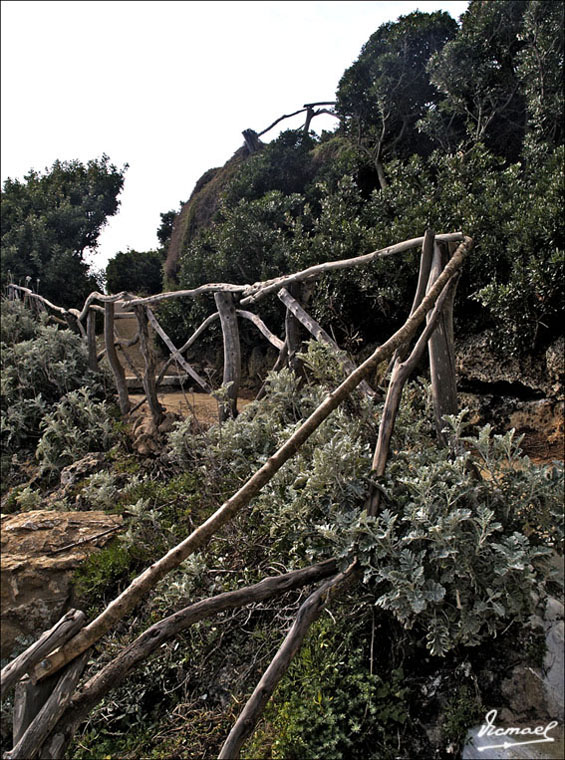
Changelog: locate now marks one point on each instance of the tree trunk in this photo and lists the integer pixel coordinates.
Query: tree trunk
(232, 353)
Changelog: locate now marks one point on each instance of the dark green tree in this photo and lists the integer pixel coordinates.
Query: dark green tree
(166, 227)
(139, 272)
(540, 70)
(51, 220)
(476, 72)
(384, 94)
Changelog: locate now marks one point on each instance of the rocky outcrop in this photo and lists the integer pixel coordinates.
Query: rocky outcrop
(543, 375)
(40, 551)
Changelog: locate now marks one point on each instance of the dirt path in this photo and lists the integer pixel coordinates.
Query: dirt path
(201, 405)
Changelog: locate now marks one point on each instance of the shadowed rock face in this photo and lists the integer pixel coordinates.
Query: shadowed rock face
(37, 563)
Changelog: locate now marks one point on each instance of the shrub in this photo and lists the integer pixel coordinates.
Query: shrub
(17, 323)
(77, 425)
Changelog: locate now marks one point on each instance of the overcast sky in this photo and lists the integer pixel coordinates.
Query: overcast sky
(168, 87)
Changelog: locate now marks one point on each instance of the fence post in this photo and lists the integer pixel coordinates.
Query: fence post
(441, 350)
(293, 330)
(115, 365)
(91, 339)
(232, 351)
(149, 385)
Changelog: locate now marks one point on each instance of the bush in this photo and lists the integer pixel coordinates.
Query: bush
(461, 541)
(329, 704)
(17, 323)
(77, 425)
(40, 364)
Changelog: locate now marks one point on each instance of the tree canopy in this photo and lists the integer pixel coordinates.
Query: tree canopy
(50, 220)
(135, 271)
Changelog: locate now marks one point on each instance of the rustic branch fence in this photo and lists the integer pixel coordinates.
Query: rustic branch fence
(53, 714)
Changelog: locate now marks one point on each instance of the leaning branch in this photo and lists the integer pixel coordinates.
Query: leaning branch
(321, 335)
(112, 674)
(310, 610)
(138, 589)
(262, 327)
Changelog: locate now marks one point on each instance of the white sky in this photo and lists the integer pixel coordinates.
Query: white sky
(168, 87)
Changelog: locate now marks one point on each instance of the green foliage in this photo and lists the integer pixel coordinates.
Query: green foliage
(540, 70)
(387, 90)
(284, 165)
(476, 72)
(513, 213)
(50, 220)
(329, 704)
(36, 373)
(461, 543)
(76, 426)
(463, 710)
(16, 323)
(98, 578)
(136, 272)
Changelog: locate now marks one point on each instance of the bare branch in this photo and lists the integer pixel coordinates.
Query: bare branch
(112, 674)
(309, 611)
(69, 624)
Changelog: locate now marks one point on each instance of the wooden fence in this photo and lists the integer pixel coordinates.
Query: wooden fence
(49, 707)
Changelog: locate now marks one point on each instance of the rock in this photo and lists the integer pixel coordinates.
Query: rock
(554, 678)
(79, 470)
(524, 693)
(37, 564)
(477, 362)
(168, 422)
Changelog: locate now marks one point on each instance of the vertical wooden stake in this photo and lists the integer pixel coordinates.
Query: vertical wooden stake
(293, 330)
(441, 351)
(149, 385)
(91, 340)
(115, 366)
(232, 351)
